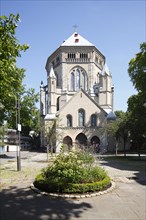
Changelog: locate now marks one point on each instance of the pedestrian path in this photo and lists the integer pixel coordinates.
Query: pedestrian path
(126, 202)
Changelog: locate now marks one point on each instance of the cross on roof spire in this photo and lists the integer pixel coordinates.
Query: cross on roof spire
(75, 28)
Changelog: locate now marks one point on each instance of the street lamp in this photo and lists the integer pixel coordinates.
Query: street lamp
(18, 128)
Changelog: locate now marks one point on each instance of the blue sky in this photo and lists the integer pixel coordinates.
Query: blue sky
(116, 28)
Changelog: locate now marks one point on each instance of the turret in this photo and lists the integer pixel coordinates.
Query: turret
(52, 91)
(42, 100)
(106, 93)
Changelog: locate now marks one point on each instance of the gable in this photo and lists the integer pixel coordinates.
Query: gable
(81, 100)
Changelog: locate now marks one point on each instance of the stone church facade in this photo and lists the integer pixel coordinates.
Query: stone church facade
(78, 96)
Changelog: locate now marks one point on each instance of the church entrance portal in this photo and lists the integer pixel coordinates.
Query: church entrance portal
(95, 144)
(67, 141)
(81, 139)
(95, 140)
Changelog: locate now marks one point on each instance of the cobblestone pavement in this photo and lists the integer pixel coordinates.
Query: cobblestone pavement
(126, 202)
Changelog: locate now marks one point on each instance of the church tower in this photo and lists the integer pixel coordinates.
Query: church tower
(79, 91)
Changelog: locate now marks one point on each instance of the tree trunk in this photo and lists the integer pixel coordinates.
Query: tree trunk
(47, 153)
(116, 153)
(138, 151)
(124, 147)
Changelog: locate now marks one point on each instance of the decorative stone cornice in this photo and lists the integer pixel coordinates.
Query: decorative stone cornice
(80, 128)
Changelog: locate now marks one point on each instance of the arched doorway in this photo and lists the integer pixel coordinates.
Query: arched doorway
(67, 141)
(95, 144)
(81, 139)
(95, 140)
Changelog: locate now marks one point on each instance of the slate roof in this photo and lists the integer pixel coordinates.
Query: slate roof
(105, 70)
(76, 40)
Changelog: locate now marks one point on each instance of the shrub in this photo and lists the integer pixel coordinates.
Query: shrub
(88, 187)
(72, 173)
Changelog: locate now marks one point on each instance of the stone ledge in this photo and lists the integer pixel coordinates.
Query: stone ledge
(74, 196)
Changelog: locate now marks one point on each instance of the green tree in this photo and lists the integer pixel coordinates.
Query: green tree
(11, 80)
(118, 129)
(11, 76)
(29, 114)
(136, 110)
(53, 136)
(123, 129)
(137, 120)
(3, 130)
(137, 69)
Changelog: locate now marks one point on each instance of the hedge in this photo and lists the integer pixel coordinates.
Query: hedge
(42, 184)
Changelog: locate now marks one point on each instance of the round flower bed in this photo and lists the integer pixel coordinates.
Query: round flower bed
(75, 172)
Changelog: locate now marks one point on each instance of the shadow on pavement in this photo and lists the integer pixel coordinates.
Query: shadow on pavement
(4, 156)
(128, 163)
(23, 203)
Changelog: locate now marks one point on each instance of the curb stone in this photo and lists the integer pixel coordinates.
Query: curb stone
(74, 196)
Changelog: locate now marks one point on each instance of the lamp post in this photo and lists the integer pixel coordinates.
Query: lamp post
(18, 99)
(18, 128)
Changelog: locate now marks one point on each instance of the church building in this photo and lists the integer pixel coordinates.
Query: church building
(77, 99)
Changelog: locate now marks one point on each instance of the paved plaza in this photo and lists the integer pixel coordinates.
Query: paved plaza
(127, 201)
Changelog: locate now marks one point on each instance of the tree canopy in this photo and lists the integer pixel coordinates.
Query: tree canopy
(29, 114)
(136, 109)
(137, 119)
(11, 78)
(137, 69)
(117, 128)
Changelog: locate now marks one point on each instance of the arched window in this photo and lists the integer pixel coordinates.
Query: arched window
(83, 80)
(93, 120)
(72, 81)
(69, 120)
(101, 80)
(81, 117)
(57, 79)
(58, 107)
(77, 79)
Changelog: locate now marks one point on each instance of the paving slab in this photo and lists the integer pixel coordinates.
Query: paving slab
(126, 202)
